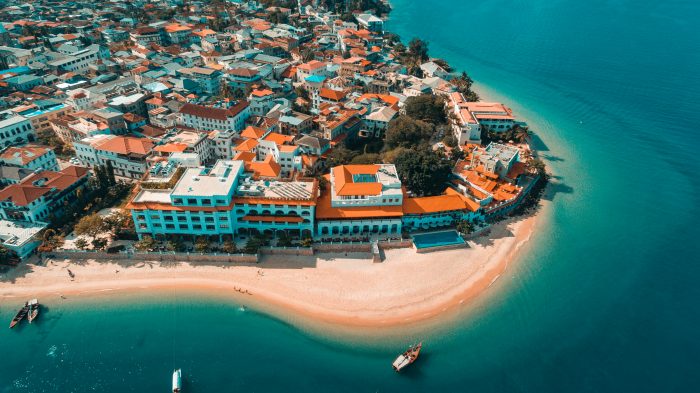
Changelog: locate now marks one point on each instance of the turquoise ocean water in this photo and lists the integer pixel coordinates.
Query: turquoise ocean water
(606, 300)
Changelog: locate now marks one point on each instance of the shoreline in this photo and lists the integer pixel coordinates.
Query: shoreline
(347, 291)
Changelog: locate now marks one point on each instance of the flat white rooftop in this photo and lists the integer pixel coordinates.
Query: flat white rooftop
(153, 196)
(202, 182)
(17, 233)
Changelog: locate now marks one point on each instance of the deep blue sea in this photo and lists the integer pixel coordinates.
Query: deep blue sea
(608, 300)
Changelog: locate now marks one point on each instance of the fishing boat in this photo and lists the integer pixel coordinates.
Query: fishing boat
(33, 310)
(407, 357)
(177, 381)
(20, 315)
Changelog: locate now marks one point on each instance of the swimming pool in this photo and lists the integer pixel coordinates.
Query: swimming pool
(437, 239)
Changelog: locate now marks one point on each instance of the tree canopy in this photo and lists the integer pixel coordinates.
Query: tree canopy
(91, 225)
(427, 107)
(423, 171)
(405, 131)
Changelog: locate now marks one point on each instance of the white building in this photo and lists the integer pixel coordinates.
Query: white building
(261, 101)
(471, 117)
(15, 129)
(127, 155)
(77, 62)
(361, 199)
(223, 200)
(210, 118)
(31, 157)
(370, 22)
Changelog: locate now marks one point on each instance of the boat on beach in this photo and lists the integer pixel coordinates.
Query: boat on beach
(177, 381)
(20, 315)
(33, 310)
(408, 357)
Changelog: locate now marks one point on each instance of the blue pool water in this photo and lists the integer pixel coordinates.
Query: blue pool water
(437, 239)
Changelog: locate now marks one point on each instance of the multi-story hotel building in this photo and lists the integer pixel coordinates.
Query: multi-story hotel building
(222, 200)
(471, 117)
(361, 199)
(227, 200)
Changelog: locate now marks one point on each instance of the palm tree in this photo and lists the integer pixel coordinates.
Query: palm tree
(521, 134)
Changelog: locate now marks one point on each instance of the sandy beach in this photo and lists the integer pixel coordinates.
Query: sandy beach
(348, 290)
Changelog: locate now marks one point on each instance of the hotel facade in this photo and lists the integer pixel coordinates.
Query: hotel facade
(226, 200)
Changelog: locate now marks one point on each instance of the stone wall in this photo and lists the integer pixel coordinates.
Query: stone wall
(153, 256)
(287, 251)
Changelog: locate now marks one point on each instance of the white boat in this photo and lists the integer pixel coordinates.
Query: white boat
(33, 310)
(407, 357)
(177, 381)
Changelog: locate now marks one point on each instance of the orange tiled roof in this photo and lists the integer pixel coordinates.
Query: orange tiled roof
(245, 156)
(171, 148)
(26, 154)
(278, 138)
(253, 132)
(433, 204)
(126, 145)
(324, 210)
(267, 168)
(345, 186)
(246, 146)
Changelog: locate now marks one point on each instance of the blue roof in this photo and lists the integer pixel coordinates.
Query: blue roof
(315, 79)
(16, 70)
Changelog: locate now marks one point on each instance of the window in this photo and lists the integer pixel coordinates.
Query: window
(191, 201)
(210, 227)
(206, 202)
(177, 201)
(197, 227)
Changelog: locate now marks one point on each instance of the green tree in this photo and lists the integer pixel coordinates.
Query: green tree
(91, 225)
(418, 50)
(307, 242)
(427, 107)
(120, 219)
(405, 131)
(202, 244)
(99, 243)
(450, 140)
(145, 244)
(109, 174)
(424, 172)
(229, 247)
(340, 156)
(389, 156)
(7, 256)
(538, 166)
(368, 158)
(465, 227)
(253, 244)
(283, 240)
(81, 243)
(520, 134)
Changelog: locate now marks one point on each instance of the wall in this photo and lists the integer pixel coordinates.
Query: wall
(154, 256)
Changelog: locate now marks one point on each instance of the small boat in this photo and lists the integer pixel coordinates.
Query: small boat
(33, 310)
(20, 315)
(407, 357)
(177, 381)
